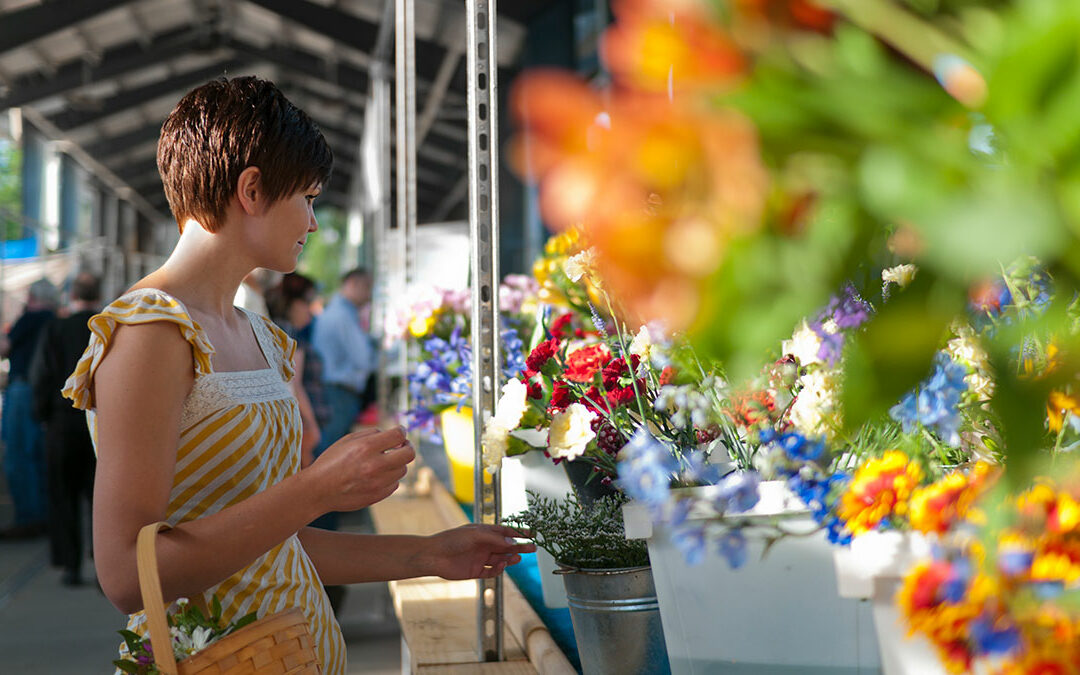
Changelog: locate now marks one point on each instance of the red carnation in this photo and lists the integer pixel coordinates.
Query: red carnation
(533, 390)
(621, 396)
(561, 397)
(667, 375)
(583, 364)
(561, 325)
(542, 354)
(593, 399)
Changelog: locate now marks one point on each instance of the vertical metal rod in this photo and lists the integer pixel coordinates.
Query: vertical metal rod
(381, 119)
(405, 94)
(484, 237)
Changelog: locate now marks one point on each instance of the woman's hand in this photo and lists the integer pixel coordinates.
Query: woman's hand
(475, 551)
(361, 469)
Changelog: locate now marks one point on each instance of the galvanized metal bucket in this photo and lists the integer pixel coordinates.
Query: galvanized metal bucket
(616, 620)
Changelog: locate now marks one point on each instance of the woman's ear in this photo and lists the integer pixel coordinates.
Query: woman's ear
(249, 190)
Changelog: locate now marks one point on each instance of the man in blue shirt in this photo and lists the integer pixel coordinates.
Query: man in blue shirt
(348, 355)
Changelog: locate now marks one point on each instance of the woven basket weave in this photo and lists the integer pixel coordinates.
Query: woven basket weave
(279, 644)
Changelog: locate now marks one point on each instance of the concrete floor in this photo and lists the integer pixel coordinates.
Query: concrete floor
(52, 629)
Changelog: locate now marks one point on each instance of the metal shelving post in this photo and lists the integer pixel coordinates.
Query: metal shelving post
(484, 239)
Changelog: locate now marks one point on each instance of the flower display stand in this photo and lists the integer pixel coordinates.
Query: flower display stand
(779, 613)
(873, 568)
(547, 480)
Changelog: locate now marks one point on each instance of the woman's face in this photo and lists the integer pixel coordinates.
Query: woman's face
(289, 221)
(299, 313)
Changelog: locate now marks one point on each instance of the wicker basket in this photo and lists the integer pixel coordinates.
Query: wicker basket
(279, 644)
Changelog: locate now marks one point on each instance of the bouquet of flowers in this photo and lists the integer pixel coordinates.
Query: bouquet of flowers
(439, 321)
(191, 632)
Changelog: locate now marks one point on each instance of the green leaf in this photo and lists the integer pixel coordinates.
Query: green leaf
(893, 352)
(127, 666)
(245, 620)
(132, 639)
(215, 608)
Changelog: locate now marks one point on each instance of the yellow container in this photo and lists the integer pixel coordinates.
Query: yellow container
(458, 439)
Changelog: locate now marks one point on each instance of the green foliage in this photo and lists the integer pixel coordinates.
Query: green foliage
(191, 631)
(321, 260)
(10, 189)
(580, 536)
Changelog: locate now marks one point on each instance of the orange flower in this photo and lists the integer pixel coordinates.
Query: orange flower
(659, 187)
(936, 507)
(880, 489)
(669, 48)
(798, 13)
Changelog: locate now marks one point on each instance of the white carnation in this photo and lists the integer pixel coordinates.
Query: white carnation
(803, 345)
(570, 432)
(641, 345)
(511, 406)
(901, 275)
(815, 411)
(495, 440)
(577, 266)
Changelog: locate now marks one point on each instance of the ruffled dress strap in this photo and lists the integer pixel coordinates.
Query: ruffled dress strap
(144, 305)
(277, 346)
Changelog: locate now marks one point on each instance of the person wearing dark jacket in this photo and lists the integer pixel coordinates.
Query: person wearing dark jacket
(20, 429)
(69, 452)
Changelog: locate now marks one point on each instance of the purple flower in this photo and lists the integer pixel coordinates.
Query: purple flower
(1015, 563)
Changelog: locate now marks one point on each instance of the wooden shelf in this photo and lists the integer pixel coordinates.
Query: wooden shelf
(438, 617)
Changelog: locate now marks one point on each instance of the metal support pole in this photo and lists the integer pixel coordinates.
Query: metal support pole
(377, 162)
(484, 237)
(405, 95)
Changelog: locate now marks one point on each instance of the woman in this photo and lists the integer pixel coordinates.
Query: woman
(188, 398)
(291, 306)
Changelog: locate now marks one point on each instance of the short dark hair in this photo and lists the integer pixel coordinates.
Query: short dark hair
(355, 273)
(224, 126)
(86, 287)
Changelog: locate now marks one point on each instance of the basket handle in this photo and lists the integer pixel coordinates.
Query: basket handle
(153, 602)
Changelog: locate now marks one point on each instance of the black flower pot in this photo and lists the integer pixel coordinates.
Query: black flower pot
(587, 483)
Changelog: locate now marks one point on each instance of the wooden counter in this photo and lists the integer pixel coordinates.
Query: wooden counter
(438, 617)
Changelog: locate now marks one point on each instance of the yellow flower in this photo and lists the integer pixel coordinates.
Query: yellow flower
(881, 488)
(936, 507)
(419, 326)
(1058, 406)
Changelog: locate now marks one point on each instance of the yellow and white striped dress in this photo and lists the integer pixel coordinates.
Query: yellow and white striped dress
(239, 434)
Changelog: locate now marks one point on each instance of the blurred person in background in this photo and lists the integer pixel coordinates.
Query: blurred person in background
(349, 360)
(21, 431)
(292, 305)
(69, 451)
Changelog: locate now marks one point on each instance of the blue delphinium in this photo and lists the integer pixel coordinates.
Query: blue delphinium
(935, 403)
(444, 377)
(817, 489)
(732, 545)
(992, 638)
(646, 470)
(738, 492)
(690, 540)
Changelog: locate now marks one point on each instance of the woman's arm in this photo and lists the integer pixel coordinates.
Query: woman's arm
(467, 552)
(139, 391)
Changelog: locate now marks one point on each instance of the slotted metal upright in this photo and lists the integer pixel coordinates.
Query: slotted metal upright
(484, 238)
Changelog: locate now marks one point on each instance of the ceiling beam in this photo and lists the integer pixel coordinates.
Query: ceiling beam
(22, 26)
(343, 27)
(104, 148)
(114, 62)
(117, 103)
(305, 63)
